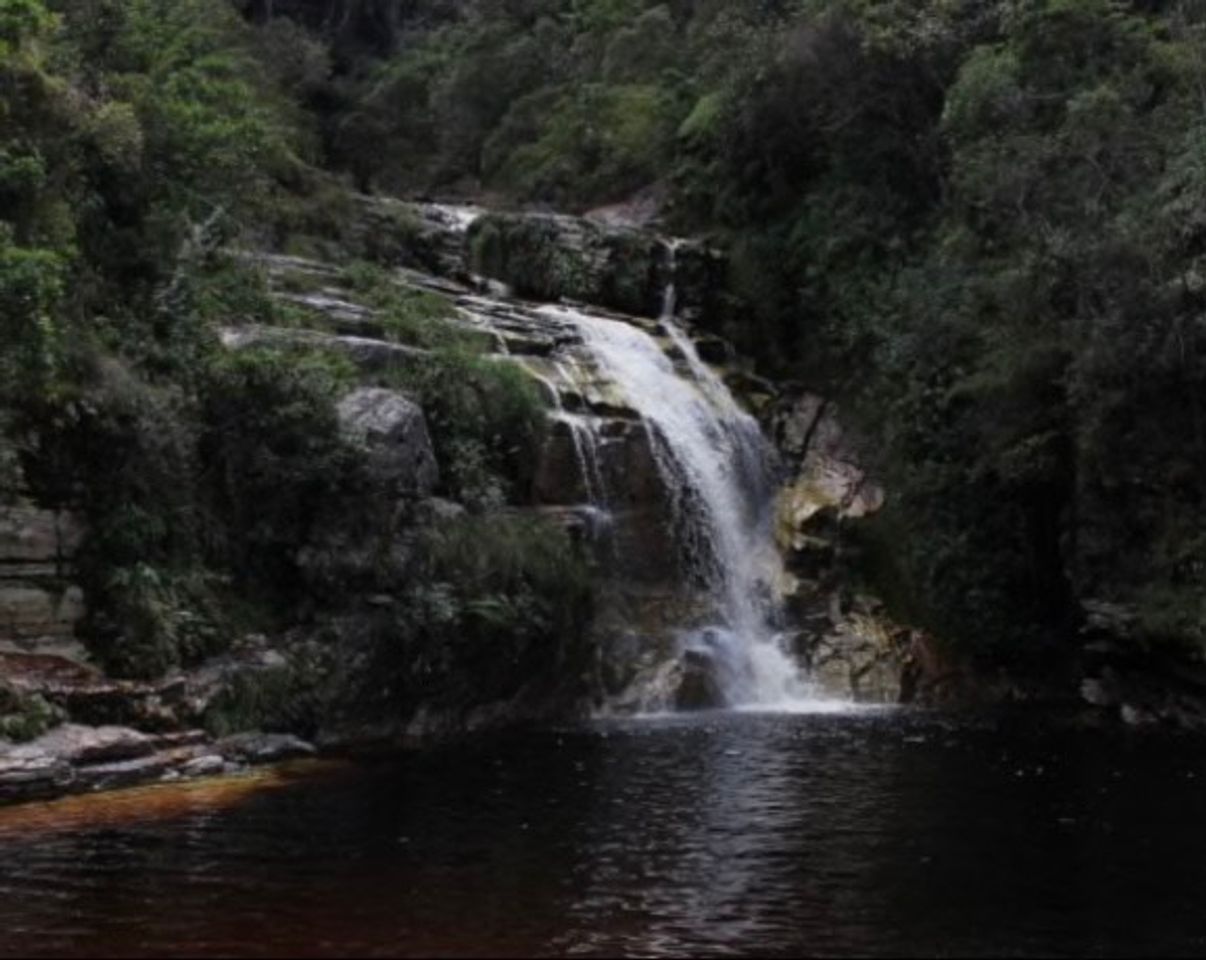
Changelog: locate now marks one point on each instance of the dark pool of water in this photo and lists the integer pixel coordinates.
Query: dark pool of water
(834, 835)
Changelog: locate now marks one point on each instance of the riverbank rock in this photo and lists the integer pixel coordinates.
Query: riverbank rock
(260, 748)
(641, 211)
(37, 542)
(80, 745)
(33, 775)
(827, 479)
(1135, 680)
(554, 257)
(863, 656)
(76, 759)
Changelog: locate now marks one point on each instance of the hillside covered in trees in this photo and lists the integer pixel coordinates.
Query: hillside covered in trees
(978, 226)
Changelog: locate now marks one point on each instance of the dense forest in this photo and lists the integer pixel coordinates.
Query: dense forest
(976, 224)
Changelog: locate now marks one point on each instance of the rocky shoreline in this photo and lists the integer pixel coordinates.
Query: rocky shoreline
(76, 759)
(68, 728)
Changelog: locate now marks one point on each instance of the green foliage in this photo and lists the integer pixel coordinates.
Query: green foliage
(271, 444)
(141, 140)
(287, 699)
(596, 142)
(406, 314)
(529, 255)
(570, 103)
(512, 576)
(32, 286)
(22, 21)
(159, 619)
(25, 716)
(486, 417)
(498, 608)
(980, 226)
(232, 292)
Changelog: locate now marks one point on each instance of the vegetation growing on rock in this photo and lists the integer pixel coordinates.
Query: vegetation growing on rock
(973, 223)
(142, 143)
(976, 225)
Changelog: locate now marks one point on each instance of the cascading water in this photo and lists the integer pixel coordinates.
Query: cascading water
(717, 469)
(712, 463)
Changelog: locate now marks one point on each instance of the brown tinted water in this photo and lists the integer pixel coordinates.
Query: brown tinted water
(876, 834)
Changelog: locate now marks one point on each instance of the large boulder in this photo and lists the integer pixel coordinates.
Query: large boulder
(393, 430)
(828, 479)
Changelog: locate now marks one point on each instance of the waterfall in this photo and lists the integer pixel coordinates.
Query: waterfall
(610, 379)
(716, 467)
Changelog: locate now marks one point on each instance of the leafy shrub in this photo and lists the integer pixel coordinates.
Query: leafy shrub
(287, 699)
(21, 20)
(32, 286)
(274, 455)
(154, 620)
(234, 292)
(486, 417)
(498, 608)
(409, 315)
(528, 254)
(25, 716)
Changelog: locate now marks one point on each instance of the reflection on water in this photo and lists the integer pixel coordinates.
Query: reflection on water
(859, 834)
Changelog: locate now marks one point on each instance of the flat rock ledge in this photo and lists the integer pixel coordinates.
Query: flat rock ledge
(75, 759)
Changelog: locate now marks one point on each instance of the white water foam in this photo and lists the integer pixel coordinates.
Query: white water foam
(716, 466)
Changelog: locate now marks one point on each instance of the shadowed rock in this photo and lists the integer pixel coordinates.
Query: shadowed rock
(393, 430)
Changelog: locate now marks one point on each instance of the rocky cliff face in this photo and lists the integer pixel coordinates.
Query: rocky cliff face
(852, 647)
(39, 604)
(496, 269)
(594, 472)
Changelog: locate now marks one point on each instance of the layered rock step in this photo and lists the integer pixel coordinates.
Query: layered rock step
(40, 605)
(80, 759)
